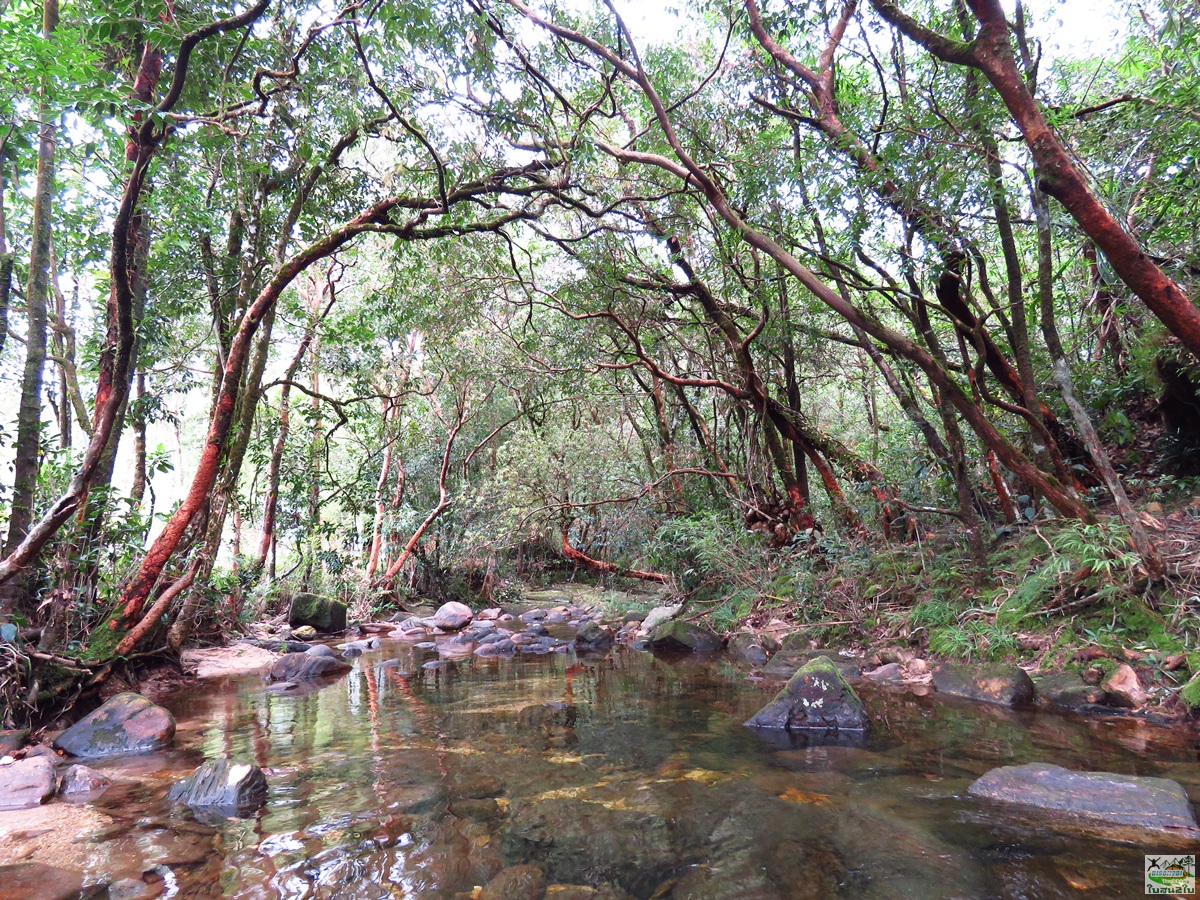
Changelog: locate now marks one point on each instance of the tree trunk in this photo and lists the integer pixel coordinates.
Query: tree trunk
(29, 416)
(1057, 173)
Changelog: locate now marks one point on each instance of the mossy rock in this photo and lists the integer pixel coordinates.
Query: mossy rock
(679, 635)
(816, 698)
(1190, 693)
(325, 614)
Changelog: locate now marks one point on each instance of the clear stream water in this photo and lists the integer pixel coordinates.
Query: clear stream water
(397, 781)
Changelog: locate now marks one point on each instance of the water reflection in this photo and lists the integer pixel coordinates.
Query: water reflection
(627, 775)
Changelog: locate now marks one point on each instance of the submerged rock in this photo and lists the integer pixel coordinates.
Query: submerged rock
(1150, 803)
(127, 723)
(31, 879)
(993, 683)
(516, 883)
(817, 698)
(82, 782)
(305, 666)
(324, 614)
(26, 782)
(453, 616)
(224, 787)
(678, 635)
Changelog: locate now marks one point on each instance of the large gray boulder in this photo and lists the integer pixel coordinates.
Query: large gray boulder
(680, 636)
(1000, 683)
(453, 616)
(1147, 803)
(305, 667)
(26, 782)
(325, 614)
(222, 786)
(127, 723)
(817, 698)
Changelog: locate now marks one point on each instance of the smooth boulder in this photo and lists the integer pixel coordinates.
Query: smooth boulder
(999, 683)
(1066, 690)
(325, 614)
(127, 723)
(1150, 803)
(222, 786)
(305, 667)
(817, 698)
(453, 616)
(678, 635)
(26, 782)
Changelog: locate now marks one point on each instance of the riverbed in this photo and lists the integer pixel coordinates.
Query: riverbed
(622, 775)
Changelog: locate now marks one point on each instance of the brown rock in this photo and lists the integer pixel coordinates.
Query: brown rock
(28, 880)
(516, 883)
(1124, 688)
(25, 783)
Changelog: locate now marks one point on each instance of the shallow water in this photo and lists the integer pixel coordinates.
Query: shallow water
(399, 781)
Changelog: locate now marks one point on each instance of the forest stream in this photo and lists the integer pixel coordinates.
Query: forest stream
(625, 774)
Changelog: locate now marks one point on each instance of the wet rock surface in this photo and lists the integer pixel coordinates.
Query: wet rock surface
(999, 683)
(324, 614)
(27, 881)
(1147, 803)
(26, 782)
(82, 782)
(222, 787)
(127, 723)
(307, 666)
(817, 698)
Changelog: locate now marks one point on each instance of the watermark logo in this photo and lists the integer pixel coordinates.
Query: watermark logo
(1171, 875)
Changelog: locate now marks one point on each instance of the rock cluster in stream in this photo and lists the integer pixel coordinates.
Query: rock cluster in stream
(494, 633)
